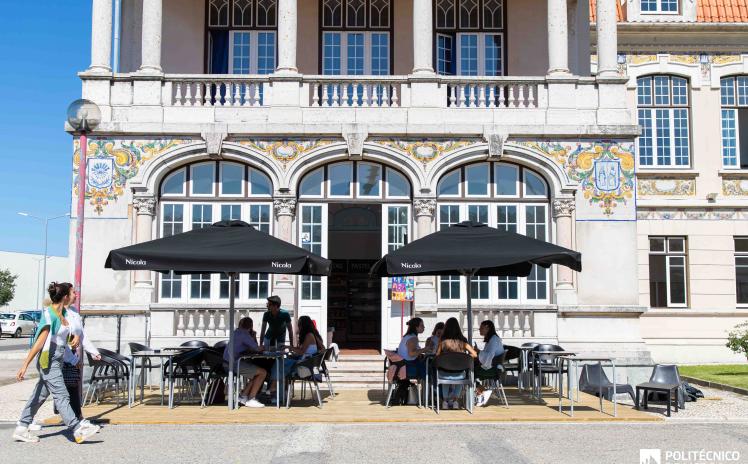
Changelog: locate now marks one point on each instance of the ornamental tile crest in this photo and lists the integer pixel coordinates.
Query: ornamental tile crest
(735, 187)
(285, 151)
(702, 214)
(726, 59)
(604, 170)
(666, 187)
(641, 59)
(425, 151)
(684, 59)
(110, 163)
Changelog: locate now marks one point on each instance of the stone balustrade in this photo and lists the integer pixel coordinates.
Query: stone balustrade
(355, 91)
(510, 323)
(206, 91)
(492, 92)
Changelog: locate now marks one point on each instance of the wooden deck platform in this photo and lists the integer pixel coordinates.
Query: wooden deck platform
(361, 406)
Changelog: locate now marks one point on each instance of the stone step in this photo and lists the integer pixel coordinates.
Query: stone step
(355, 367)
(360, 357)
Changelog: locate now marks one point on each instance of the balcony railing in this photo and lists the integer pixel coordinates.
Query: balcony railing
(492, 92)
(206, 90)
(509, 323)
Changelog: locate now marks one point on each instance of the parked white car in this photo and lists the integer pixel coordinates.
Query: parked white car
(17, 324)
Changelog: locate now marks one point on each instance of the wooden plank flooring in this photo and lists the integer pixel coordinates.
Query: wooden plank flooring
(360, 406)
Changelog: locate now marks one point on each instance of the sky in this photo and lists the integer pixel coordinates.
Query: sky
(43, 45)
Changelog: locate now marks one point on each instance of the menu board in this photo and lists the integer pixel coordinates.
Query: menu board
(403, 288)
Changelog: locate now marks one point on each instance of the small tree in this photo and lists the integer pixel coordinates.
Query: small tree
(7, 286)
(737, 339)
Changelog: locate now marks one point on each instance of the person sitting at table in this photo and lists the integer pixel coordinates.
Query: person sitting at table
(493, 346)
(244, 344)
(410, 349)
(310, 343)
(453, 341)
(433, 341)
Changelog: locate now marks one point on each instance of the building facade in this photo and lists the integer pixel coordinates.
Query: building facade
(350, 127)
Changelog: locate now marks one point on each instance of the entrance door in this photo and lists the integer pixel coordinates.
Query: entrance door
(313, 290)
(354, 300)
(396, 219)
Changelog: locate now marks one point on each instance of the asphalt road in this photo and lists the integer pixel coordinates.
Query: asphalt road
(8, 343)
(382, 443)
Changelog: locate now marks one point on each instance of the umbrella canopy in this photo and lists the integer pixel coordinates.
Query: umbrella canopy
(474, 249)
(229, 247)
(226, 246)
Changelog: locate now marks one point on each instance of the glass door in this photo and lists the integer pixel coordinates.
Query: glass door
(396, 223)
(313, 290)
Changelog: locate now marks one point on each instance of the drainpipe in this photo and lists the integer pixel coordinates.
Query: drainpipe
(116, 27)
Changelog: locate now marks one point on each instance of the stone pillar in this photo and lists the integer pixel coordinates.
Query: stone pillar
(423, 210)
(558, 38)
(151, 38)
(285, 211)
(563, 210)
(607, 38)
(101, 36)
(423, 37)
(287, 32)
(145, 211)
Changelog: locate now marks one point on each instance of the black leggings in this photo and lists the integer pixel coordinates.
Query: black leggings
(75, 401)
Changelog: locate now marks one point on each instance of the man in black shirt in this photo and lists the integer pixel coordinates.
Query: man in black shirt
(275, 322)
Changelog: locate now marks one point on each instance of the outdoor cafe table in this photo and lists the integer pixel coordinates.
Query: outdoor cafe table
(280, 368)
(164, 354)
(556, 354)
(524, 363)
(573, 360)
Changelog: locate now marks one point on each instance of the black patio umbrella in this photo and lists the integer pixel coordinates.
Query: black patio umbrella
(474, 249)
(227, 247)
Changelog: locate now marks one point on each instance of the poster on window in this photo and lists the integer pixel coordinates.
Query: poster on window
(403, 288)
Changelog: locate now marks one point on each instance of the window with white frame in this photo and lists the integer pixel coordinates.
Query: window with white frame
(504, 196)
(200, 194)
(242, 36)
(741, 270)
(354, 179)
(734, 121)
(356, 37)
(469, 37)
(667, 272)
(659, 6)
(662, 103)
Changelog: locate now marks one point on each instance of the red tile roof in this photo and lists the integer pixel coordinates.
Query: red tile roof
(708, 11)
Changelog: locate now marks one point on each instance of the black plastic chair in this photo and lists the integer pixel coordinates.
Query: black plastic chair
(216, 371)
(105, 373)
(195, 344)
(324, 370)
(187, 370)
(144, 364)
(493, 378)
(221, 345)
(397, 380)
(593, 379)
(668, 374)
(453, 362)
(544, 365)
(305, 371)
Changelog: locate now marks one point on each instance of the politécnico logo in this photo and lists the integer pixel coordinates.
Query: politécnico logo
(650, 456)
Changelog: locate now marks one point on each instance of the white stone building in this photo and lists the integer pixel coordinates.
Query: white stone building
(351, 126)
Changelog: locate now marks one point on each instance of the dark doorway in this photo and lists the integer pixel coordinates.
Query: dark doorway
(353, 300)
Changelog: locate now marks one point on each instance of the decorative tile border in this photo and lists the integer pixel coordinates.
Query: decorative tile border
(425, 151)
(110, 163)
(666, 187)
(285, 151)
(735, 187)
(674, 214)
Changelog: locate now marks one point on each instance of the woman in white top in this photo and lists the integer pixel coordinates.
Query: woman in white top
(433, 341)
(73, 358)
(310, 343)
(493, 347)
(410, 349)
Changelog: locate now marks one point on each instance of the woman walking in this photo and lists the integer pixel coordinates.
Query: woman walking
(52, 336)
(73, 357)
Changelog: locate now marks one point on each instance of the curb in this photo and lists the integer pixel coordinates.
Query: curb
(715, 385)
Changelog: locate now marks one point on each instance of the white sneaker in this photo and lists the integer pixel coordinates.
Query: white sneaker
(84, 432)
(21, 433)
(34, 427)
(485, 396)
(445, 404)
(253, 403)
(455, 405)
(243, 400)
(88, 423)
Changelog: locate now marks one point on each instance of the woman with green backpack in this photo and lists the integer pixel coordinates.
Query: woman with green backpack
(54, 333)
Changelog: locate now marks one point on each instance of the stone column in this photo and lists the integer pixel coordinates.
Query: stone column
(563, 210)
(285, 211)
(287, 32)
(101, 36)
(145, 211)
(423, 37)
(607, 38)
(423, 210)
(151, 38)
(558, 38)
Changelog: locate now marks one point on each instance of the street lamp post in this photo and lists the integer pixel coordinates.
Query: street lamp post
(83, 116)
(45, 221)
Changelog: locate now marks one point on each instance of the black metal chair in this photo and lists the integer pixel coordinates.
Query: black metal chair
(187, 371)
(216, 371)
(146, 365)
(493, 378)
(545, 365)
(511, 359)
(107, 372)
(396, 373)
(668, 374)
(195, 344)
(324, 370)
(453, 362)
(305, 371)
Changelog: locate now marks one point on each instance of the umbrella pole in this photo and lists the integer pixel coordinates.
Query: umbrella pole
(469, 278)
(232, 282)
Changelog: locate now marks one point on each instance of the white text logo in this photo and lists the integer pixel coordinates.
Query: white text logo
(411, 265)
(281, 265)
(135, 262)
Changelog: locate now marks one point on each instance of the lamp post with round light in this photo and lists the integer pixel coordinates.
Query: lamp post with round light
(83, 116)
(45, 221)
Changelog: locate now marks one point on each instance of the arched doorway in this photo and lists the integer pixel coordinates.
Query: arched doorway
(351, 212)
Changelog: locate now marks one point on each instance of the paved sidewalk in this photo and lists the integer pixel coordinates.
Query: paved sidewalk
(520, 443)
(14, 396)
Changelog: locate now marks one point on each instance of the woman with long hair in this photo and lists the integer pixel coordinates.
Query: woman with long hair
(52, 336)
(310, 343)
(433, 341)
(410, 349)
(493, 346)
(453, 341)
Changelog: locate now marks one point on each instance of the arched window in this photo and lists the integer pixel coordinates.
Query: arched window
(662, 103)
(200, 194)
(505, 196)
(354, 179)
(734, 101)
